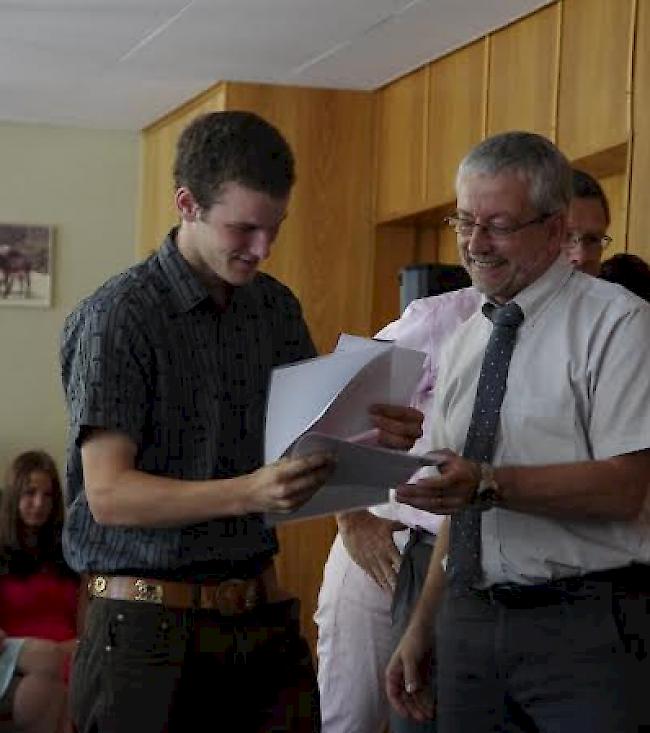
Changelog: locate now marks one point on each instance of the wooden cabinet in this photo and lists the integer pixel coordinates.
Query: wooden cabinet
(158, 147)
(638, 231)
(401, 150)
(522, 88)
(456, 118)
(596, 43)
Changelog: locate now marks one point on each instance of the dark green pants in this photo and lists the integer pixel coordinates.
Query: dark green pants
(141, 667)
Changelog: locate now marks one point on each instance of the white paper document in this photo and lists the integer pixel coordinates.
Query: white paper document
(322, 403)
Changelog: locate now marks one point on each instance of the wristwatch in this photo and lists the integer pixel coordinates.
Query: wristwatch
(488, 493)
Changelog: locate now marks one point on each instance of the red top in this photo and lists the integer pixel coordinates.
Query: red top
(42, 605)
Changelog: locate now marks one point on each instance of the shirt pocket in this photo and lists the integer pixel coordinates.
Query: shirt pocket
(543, 431)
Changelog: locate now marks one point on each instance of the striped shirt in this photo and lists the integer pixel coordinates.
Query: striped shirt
(148, 355)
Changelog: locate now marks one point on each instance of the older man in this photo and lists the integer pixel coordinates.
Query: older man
(541, 416)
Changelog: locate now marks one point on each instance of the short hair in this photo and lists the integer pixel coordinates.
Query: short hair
(232, 147)
(533, 158)
(49, 539)
(630, 271)
(586, 186)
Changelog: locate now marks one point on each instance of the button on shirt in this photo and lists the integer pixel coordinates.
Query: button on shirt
(424, 326)
(578, 389)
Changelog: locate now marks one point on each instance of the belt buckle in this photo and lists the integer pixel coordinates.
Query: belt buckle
(97, 585)
(232, 597)
(152, 593)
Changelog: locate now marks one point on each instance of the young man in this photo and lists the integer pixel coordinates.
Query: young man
(547, 500)
(165, 370)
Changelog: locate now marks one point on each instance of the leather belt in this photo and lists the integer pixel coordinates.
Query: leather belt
(631, 579)
(229, 597)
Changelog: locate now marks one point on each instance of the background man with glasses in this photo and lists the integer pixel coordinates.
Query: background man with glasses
(588, 222)
(531, 626)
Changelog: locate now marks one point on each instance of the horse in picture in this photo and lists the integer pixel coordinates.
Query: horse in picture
(15, 271)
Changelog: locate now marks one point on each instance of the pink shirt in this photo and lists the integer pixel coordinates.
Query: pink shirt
(425, 325)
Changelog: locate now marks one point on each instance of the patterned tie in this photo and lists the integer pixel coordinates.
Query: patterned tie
(464, 562)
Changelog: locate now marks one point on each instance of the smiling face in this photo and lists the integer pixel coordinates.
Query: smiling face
(36, 500)
(226, 243)
(501, 266)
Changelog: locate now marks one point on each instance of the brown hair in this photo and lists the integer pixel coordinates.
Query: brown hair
(11, 534)
(232, 147)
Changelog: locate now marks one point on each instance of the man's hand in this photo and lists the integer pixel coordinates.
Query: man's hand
(369, 540)
(399, 427)
(287, 484)
(408, 674)
(450, 492)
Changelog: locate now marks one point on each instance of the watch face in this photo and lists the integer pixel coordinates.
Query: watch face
(487, 496)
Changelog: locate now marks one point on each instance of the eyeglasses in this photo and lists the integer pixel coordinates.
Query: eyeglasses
(588, 241)
(464, 227)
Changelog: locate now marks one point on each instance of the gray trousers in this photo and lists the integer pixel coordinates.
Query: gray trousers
(410, 579)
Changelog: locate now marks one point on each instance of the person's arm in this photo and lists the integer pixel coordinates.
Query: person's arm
(407, 670)
(610, 489)
(120, 494)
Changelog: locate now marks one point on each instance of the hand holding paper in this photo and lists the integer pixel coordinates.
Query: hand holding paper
(335, 394)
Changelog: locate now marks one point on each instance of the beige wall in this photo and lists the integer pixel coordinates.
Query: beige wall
(84, 184)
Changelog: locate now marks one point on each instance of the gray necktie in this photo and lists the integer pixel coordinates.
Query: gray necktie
(464, 562)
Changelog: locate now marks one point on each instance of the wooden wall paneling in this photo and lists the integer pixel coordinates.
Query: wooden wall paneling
(448, 246)
(427, 244)
(638, 222)
(157, 209)
(395, 249)
(456, 118)
(402, 120)
(615, 188)
(325, 254)
(592, 109)
(522, 85)
(325, 249)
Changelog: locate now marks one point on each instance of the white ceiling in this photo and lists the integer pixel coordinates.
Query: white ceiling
(121, 64)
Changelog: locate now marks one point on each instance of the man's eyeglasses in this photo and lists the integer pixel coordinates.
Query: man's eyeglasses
(465, 227)
(588, 241)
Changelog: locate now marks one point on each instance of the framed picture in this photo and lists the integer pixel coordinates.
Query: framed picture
(25, 265)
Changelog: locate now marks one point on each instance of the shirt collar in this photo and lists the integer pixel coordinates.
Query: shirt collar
(185, 288)
(534, 299)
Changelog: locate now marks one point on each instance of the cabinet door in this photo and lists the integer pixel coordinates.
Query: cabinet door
(158, 212)
(402, 109)
(523, 75)
(456, 118)
(638, 241)
(594, 75)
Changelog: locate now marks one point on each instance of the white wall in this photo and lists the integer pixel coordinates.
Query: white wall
(84, 184)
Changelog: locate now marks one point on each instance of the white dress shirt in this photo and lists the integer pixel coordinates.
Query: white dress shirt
(578, 389)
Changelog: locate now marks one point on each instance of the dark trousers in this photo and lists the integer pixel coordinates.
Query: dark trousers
(410, 579)
(145, 668)
(560, 667)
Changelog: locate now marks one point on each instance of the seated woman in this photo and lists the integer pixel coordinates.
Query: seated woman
(32, 694)
(38, 591)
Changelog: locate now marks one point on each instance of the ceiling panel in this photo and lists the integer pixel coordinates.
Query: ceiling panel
(282, 34)
(421, 33)
(123, 63)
